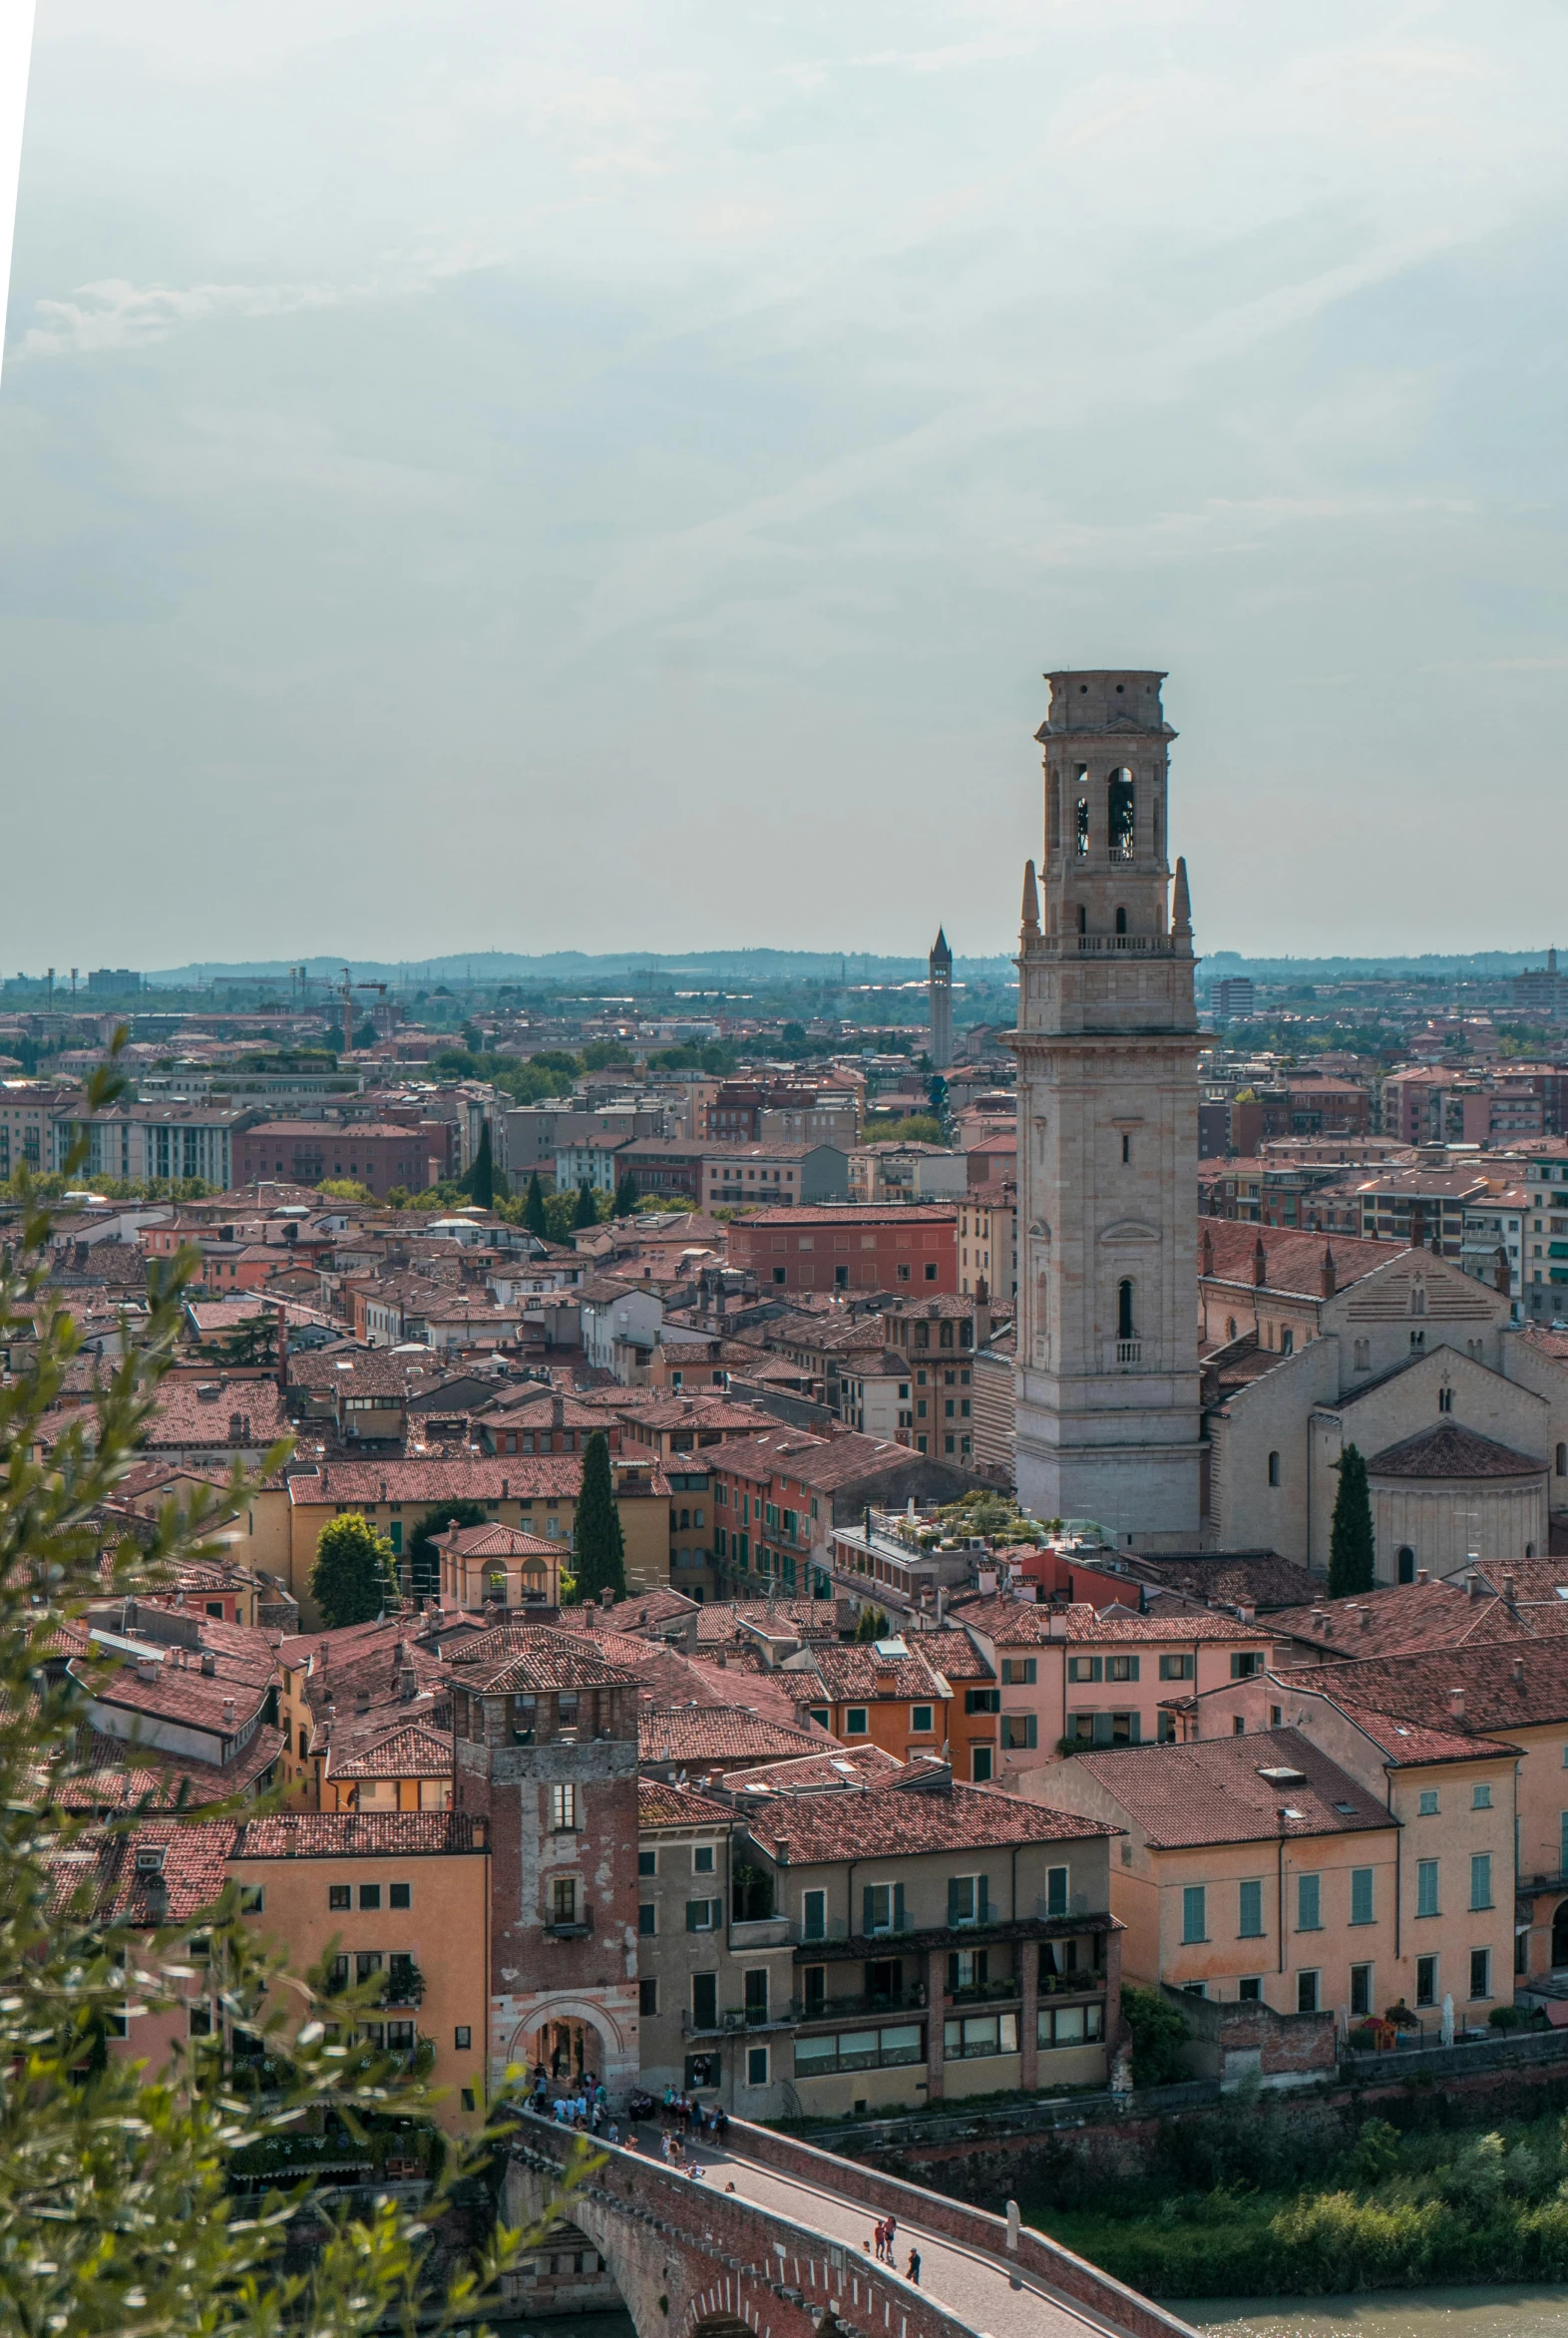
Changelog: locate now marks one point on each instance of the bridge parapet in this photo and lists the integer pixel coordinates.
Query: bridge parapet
(693, 2262)
(1073, 2277)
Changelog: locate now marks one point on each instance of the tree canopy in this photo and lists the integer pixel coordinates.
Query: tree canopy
(586, 1213)
(625, 1195)
(534, 1208)
(1350, 1542)
(353, 1579)
(481, 1179)
(597, 1542)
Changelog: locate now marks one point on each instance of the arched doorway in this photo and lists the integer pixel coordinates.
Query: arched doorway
(1560, 1936)
(1407, 1563)
(570, 2049)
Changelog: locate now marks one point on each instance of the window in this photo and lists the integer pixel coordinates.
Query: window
(370, 1895)
(1249, 1989)
(463, 2038)
(564, 1810)
(1247, 1665)
(1286, 1340)
(820, 1713)
(1057, 1879)
(1307, 1992)
(969, 1899)
(1445, 1400)
(859, 2050)
(855, 1721)
(1426, 1806)
(882, 1908)
(339, 1895)
(1425, 1980)
(563, 1900)
(1360, 1992)
(1019, 1671)
(648, 1862)
(1069, 2025)
(702, 1858)
(1176, 1667)
(1195, 1912)
(756, 2066)
(1481, 1799)
(921, 1720)
(647, 1919)
(1124, 1330)
(755, 1985)
(1018, 1731)
(1309, 1904)
(814, 1915)
(705, 2001)
(1480, 1887)
(1121, 1668)
(705, 1915)
(1481, 1972)
(983, 2034)
(1274, 1468)
(980, 1766)
(1427, 1887)
(1249, 1913)
(648, 1996)
(1093, 1668)
(1361, 1895)
(399, 1895)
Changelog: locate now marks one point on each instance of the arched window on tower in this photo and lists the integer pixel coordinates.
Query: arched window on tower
(1083, 919)
(1119, 802)
(1562, 1460)
(1083, 828)
(1121, 921)
(1124, 1330)
(1274, 1468)
(1054, 811)
(1407, 1563)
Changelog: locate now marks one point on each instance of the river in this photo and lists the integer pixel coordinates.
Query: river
(1478, 2312)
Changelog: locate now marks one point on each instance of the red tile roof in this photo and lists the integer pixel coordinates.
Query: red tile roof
(845, 1765)
(856, 1670)
(190, 1867)
(414, 1750)
(1448, 1451)
(513, 1657)
(1294, 1261)
(1215, 1790)
(1503, 1688)
(1033, 1623)
(688, 1735)
(897, 1819)
(661, 1804)
(336, 1834)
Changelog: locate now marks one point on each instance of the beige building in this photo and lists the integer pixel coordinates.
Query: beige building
(988, 1242)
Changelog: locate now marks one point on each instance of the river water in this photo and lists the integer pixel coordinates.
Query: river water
(1390, 2313)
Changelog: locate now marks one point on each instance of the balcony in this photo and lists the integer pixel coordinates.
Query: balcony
(761, 1932)
(867, 2001)
(1009, 1988)
(576, 1926)
(737, 2019)
(1088, 1982)
(405, 1984)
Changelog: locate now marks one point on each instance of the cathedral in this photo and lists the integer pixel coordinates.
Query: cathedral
(1190, 1396)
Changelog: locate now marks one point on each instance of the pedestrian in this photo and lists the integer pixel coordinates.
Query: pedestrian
(879, 2232)
(893, 2233)
(614, 2135)
(912, 2270)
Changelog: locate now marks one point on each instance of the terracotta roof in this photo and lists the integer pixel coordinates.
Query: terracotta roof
(1385, 1622)
(409, 1749)
(525, 1657)
(854, 1669)
(1295, 1261)
(1504, 1687)
(120, 1776)
(661, 1804)
(1215, 1790)
(190, 1867)
(495, 1541)
(1033, 1623)
(462, 1478)
(846, 1766)
(1449, 1450)
(1260, 1580)
(684, 1736)
(336, 1834)
(891, 1820)
(184, 1417)
(1410, 1745)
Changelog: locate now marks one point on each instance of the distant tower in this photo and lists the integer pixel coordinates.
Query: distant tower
(1107, 1347)
(940, 978)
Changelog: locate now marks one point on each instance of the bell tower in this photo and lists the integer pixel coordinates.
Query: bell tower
(1106, 1379)
(939, 979)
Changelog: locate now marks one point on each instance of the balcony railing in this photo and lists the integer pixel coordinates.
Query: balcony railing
(833, 2009)
(576, 1926)
(737, 2018)
(987, 1991)
(1087, 1983)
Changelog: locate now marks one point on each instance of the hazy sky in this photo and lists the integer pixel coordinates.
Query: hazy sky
(483, 475)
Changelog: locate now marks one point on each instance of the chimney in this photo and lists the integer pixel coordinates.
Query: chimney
(1422, 1575)
(1259, 1264)
(1418, 1225)
(1366, 1619)
(558, 1412)
(228, 1712)
(1456, 1705)
(1328, 1271)
(1206, 1261)
(781, 1850)
(208, 1665)
(1510, 1590)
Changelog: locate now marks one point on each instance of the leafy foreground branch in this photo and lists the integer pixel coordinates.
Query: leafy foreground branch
(117, 2212)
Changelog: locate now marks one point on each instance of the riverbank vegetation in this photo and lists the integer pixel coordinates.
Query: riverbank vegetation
(1390, 2211)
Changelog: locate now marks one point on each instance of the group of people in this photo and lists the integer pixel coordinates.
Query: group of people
(884, 2234)
(689, 2116)
(587, 2110)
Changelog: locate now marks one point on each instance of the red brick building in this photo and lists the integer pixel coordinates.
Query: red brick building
(378, 1153)
(895, 1247)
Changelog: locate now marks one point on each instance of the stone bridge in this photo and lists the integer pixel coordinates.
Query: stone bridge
(785, 2252)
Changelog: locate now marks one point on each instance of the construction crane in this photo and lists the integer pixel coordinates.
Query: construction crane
(347, 997)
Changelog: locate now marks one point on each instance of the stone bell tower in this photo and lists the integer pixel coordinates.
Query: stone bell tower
(1108, 1356)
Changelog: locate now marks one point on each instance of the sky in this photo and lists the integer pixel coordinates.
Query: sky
(479, 475)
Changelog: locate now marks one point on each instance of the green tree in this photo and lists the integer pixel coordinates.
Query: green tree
(1350, 1546)
(599, 1550)
(481, 1179)
(345, 1189)
(587, 1208)
(873, 1625)
(423, 1560)
(397, 1197)
(353, 1579)
(605, 1055)
(534, 1208)
(626, 1196)
(1158, 2034)
(116, 2208)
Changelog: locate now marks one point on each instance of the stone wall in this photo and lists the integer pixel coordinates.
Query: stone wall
(1231, 2042)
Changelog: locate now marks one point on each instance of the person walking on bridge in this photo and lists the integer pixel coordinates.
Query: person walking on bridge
(912, 2270)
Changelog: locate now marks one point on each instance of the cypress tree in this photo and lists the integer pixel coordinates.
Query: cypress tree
(599, 1545)
(482, 1177)
(534, 1208)
(1350, 1536)
(351, 1580)
(626, 1196)
(587, 1208)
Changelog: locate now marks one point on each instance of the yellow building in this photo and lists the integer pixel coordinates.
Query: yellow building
(485, 1563)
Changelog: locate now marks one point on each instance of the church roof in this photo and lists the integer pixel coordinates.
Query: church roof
(1292, 1262)
(1449, 1450)
(941, 955)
